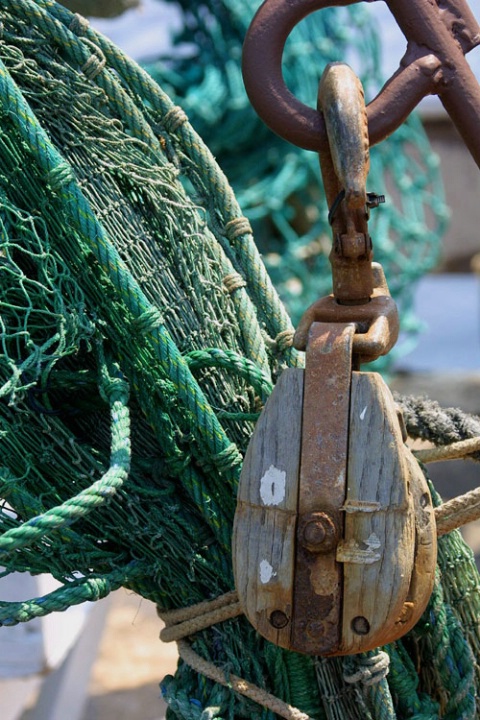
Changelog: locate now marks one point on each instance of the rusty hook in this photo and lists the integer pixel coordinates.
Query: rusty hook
(438, 35)
(360, 292)
(345, 162)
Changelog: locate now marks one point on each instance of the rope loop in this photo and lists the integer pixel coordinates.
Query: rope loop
(115, 388)
(237, 227)
(174, 118)
(371, 669)
(227, 458)
(233, 281)
(79, 25)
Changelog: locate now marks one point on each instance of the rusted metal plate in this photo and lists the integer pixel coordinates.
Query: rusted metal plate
(317, 604)
(377, 321)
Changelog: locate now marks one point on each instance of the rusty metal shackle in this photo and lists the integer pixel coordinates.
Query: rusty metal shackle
(360, 292)
(438, 36)
(345, 165)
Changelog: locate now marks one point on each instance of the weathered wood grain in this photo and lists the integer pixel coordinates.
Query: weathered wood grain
(265, 521)
(384, 489)
(334, 545)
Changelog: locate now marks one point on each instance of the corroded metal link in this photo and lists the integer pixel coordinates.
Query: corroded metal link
(377, 322)
(438, 35)
(345, 163)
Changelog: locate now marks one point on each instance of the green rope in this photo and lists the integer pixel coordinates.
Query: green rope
(115, 391)
(452, 658)
(117, 224)
(403, 681)
(82, 217)
(234, 233)
(87, 589)
(214, 357)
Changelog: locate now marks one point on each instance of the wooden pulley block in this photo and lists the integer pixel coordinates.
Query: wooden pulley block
(334, 546)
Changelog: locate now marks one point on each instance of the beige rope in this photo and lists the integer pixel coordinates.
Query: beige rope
(233, 281)
(262, 697)
(462, 509)
(187, 621)
(456, 450)
(457, 512)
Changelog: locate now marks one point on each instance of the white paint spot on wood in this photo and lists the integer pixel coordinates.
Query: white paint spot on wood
(272, 486)
(266, 572)
(363, 413)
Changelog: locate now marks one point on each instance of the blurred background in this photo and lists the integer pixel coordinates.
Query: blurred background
(106, 662)
(446, 302)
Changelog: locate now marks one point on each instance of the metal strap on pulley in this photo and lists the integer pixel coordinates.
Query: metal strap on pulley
(334, 535)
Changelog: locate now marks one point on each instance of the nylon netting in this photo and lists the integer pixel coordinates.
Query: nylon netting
(277, 185)
(140, 338)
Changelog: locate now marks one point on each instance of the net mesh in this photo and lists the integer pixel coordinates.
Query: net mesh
(277, 185)
(140, 338)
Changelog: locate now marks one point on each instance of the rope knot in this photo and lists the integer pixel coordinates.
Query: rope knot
(61, 174)
(284, 340)
(115, 388)
(95, 63)
(237, 227)
(174, 118)
(79, 25)
(233, 281)
(225, 459)
(370, 669)
(148, 321)
(99, 588)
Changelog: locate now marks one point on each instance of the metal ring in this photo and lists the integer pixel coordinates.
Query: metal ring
(292, 119)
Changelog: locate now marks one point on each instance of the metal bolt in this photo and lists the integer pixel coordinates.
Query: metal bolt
(319, 533)
(314, 533)
(278, 619)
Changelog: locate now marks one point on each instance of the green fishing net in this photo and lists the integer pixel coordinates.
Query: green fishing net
(141, 336)
(277, 185)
